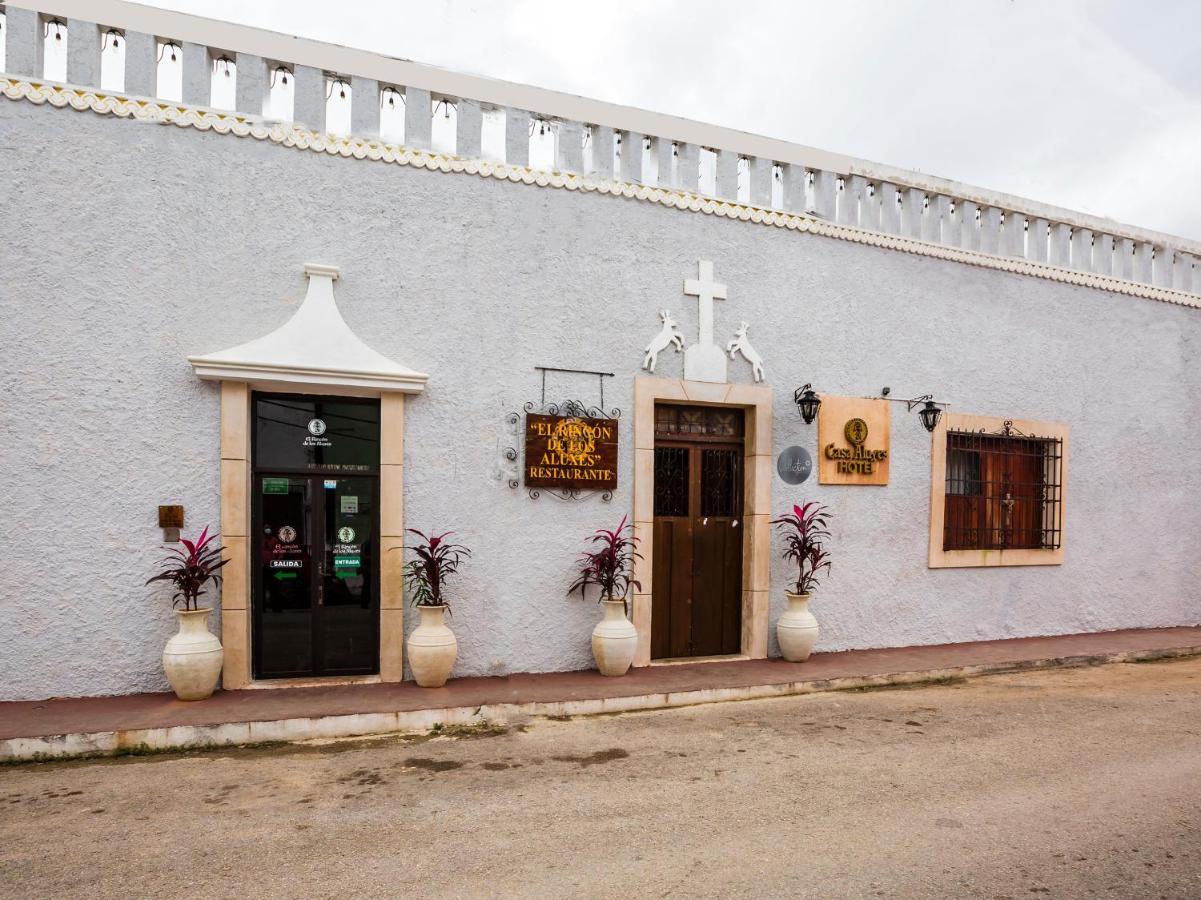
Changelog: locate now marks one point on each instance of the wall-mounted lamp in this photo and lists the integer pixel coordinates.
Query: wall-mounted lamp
(807, 402)
(930, 412)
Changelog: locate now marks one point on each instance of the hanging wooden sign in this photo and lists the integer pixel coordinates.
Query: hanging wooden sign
(570, 452)
(852, 441)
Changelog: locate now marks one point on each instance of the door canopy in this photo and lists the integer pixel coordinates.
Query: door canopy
(313, 349)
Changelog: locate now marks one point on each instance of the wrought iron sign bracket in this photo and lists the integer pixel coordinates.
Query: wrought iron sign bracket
(573, 408)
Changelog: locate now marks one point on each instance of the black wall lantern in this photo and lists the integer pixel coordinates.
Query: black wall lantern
(930, 412)
(807, 402)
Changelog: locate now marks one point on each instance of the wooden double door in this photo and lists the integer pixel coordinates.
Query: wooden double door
(698, 534)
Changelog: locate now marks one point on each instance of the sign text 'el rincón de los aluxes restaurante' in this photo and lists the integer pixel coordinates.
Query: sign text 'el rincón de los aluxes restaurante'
(570, 452)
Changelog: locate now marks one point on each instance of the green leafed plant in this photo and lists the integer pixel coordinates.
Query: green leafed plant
(190, 571)
(437, 560)
(804, 531)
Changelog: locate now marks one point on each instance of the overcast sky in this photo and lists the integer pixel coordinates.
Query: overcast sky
(1089, 104)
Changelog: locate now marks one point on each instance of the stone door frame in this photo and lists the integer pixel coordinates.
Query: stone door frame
(756, 403)
(236, 503)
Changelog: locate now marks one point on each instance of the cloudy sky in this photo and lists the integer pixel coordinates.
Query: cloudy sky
(1089, 104)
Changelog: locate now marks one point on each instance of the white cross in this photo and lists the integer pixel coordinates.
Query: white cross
(706, 290)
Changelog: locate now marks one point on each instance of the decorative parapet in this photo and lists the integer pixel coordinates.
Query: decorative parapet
(783, 184)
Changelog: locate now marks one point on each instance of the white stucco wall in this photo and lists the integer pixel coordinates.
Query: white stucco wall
(129, 246)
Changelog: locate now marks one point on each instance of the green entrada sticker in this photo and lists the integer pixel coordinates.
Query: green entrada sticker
(275, 485)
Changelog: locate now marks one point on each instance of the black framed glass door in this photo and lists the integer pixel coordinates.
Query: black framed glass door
(316, 572)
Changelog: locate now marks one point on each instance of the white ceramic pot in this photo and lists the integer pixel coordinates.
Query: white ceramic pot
(796, 629)
(192, 658)
(432, 648)
(614, 639)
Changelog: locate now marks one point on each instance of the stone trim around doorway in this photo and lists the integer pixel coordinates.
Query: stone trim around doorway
(236, 429)
(756, 401)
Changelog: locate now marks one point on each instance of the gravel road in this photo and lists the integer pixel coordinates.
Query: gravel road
(1065, 783)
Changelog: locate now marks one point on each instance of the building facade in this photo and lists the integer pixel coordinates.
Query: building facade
(277, 327)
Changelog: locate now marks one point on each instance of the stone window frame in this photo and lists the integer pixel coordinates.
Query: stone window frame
(756, 402)
(953, 559)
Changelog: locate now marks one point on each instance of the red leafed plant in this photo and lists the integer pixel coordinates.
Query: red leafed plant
(610, 564)
(437, 559)
(191, 571)
(804, 530)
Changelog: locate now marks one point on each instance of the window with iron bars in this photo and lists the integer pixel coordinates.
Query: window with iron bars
(1003, 491)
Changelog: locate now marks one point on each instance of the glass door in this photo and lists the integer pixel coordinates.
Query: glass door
(317, 610)
(315, 518)
(286, 578)
(348, 634)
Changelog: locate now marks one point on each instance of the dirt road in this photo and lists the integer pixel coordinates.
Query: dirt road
(1069, 783)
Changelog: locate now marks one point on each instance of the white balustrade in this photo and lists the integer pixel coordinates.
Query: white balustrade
(419, 112)
(1103, 254)
(825, 194)
(890, 209)
(990, 230)
(24, 51)
(1142, 262)
(869, 206)
(1013, 234)
(83, 53)
(841, 190)
(969, 225)
(663, 150)
(1162, 267)
(795, 189)
(569, 148)
(1061, 244)
(1037, 239)
(913, 203)
(727, 174)
(1185, 273)
(761, 171)
(1124, 259)
(1082, 249)
(602, 151)
(631, 156)
(517, 136)
(198, 84)
(854, 188)
(254, 77)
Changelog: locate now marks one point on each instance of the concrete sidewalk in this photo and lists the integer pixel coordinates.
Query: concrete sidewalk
(69, 726)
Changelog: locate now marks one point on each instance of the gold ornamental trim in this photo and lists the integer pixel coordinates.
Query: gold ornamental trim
(287, 135)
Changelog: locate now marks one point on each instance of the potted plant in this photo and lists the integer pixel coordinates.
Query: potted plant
(432, 647)
(609, 566)
(803, 530)
(193, 656)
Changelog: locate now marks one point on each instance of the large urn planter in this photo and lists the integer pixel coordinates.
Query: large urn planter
(614, 640)
(193, 656)
(609, 566)
(804, 532)
(432, 648)
(797, 629)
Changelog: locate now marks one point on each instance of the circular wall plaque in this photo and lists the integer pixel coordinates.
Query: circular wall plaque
(794, 464)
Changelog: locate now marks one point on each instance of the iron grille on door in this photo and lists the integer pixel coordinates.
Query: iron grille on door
(720, 469)
(671, 481)
(1003, 491)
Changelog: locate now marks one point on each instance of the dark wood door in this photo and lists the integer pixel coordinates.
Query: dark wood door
(697, 565)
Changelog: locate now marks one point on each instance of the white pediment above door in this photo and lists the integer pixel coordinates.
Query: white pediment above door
(313, 350)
